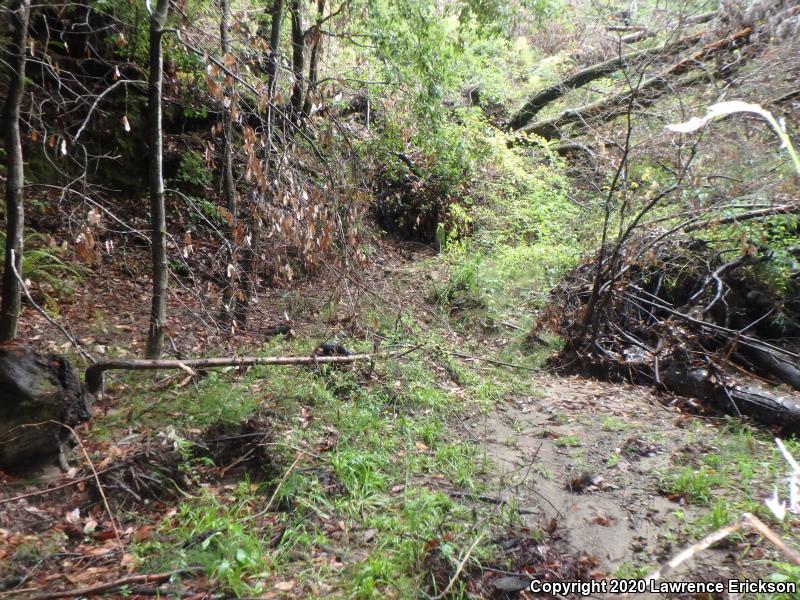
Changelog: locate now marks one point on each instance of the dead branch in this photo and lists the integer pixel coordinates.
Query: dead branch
(110, 585)
(746, 520)
(783, 209)
(701, 18)
(94, 374)
(637, 36)
(648, 91)
(625, 27)
(592, 73)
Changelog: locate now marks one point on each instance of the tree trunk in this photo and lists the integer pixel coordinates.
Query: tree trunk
(313, 60)
(38, 394)
(763, 405)
(274, 46)
(592, 73)
(158, 313)
(298, 55)
(606, 109)
(228, 187)
(15, 215)
(249, 272)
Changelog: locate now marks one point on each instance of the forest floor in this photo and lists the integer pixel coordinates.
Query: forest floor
(462, 466)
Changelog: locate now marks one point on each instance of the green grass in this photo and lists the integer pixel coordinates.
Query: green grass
(630, 571)
(612, 423)
(215, 535)
(739, 467)
(568, 441)
(393, 462)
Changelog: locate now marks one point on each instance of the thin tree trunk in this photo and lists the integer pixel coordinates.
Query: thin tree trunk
(313, 60)
(228, 187)
(274, 46)
(249, 273)
(298, 55)
(158, 313)
(15, 174)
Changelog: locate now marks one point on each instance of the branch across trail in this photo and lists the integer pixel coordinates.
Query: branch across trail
(650, 89)
(94, 374)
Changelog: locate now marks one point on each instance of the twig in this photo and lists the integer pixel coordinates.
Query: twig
(689, 552)
(278, 487)
(94, 374)
(490, 500)
(99, 485)
(746, 520)
(68, 483)
(99, 98)
(491, 361)
(783, 209)
(110, 585)
(773, 537)
(460, 567)
(48, 490)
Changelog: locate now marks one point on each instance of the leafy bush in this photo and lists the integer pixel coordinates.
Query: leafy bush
(192, 170)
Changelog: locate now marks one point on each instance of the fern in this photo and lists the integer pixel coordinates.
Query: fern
(42, 266)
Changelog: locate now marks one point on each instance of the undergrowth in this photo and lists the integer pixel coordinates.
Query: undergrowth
(372, 462)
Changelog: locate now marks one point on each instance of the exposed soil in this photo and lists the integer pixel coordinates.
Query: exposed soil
(587, 453)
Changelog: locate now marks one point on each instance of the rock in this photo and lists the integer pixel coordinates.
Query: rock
(511, 583)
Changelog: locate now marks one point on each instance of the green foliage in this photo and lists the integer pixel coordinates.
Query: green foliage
(784, 572)
(43, 266)
(216, 536)
(462, 287)
(738, 467)
(192, 170)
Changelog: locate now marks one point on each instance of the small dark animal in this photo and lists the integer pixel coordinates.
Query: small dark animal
(329, 349)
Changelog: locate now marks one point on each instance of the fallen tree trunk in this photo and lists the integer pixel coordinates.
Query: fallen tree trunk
(636, 36)
(39, 395)
(592, 73)
(773, 363)
(766, 406)
(648, 91)
(701, 18)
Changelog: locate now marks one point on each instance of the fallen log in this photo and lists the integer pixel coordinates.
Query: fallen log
(648, 91)
(701, 18)
(738, 400)
(39, 395)
(592, 73)
(772, 363)
(686, 321)
(636, 36)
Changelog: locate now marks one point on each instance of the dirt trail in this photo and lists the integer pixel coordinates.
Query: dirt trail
(588, 453)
